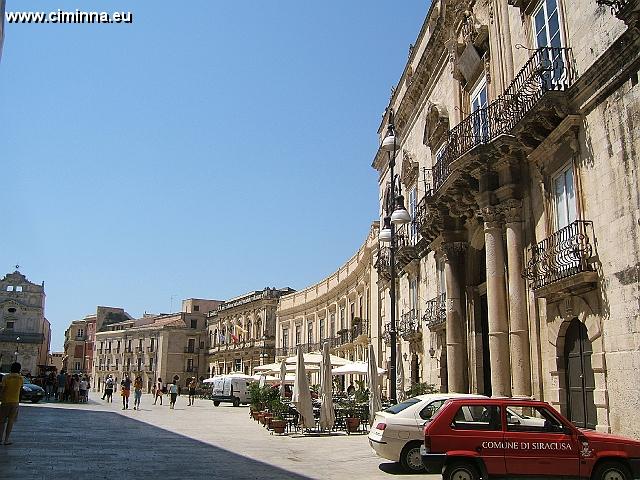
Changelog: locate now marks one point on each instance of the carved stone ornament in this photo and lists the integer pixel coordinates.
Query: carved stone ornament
(436, 126)
(453, 250)
(410, 168)
(512, 210)
(492, 216)
(470, 27)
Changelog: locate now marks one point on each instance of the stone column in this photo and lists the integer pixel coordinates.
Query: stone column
(497, 303)
(519, 335)
(456, 351)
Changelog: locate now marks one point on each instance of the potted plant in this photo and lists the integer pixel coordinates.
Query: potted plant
(352, 419)
(256, 402)
(278, 424)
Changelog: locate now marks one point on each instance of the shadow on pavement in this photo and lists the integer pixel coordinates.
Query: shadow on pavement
(394, 469)
(55, 443)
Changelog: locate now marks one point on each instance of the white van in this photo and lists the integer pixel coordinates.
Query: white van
(231, 389)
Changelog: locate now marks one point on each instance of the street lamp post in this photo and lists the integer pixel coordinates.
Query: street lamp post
(17, 343)
(395, 215)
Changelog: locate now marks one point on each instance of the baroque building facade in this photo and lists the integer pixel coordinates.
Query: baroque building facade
(79, 338)
(154, 346)
(517, 126)
(341, 309)
(25, 333)
(242, 332)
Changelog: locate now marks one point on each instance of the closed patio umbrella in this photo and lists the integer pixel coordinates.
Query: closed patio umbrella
(301, 398)
(327, 412)
(399, 373)
(283, 375)
(373, 383)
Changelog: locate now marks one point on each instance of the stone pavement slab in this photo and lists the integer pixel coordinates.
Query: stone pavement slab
(100, 440)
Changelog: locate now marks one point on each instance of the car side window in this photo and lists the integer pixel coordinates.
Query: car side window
(430, 410)
(532, 419)
(477, 417)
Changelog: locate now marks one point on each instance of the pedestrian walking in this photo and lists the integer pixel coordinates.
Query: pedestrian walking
(75, 388)
(192, 391)
(62, 382)
(173, 390)
(137, 392)
(125, 390)
(49, 383)
(108, 389)
(83, 390)
(159, 391)
(10, 388)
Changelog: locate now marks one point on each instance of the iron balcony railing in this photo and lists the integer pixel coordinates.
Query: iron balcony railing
(360, 327)
(548, 69)
(435, 314)
(409, 323)
(285, 351)
(565, 253)
(383, 263)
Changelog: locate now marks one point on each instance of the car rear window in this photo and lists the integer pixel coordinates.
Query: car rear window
(402, 405)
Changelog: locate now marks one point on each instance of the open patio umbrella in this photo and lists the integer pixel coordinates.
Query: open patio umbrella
(327, 412)
(301, 398)
(358, 368)
(314, 359)
(399, 373)
(373, 383)
(272, 368)
(283, 376)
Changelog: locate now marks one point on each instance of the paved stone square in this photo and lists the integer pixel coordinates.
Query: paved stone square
(100, 440)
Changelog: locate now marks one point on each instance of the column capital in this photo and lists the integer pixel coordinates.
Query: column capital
(491, 215)
(512, 210)
(453, 250)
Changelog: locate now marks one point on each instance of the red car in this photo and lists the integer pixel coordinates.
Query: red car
(469, 439)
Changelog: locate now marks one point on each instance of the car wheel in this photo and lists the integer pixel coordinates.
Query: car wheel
(410, 458)
(236, 402)
(35, 400)
(461, 470)
(611, 471)
(216, 403)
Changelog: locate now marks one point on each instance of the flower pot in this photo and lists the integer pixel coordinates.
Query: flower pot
(259, 417)
(265, 418)
(353, 423)
(278, 426)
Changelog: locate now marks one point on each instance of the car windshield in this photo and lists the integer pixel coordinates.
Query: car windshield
(402, 405)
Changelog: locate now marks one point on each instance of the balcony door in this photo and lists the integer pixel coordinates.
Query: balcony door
(564, 198)
(547, 29)
(478, 110)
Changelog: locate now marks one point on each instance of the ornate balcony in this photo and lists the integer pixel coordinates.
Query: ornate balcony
(562, 262)
(435, 315)
(360, 328)
(409, 327)
(383, 264)
(548, 70)
(406, 238)
(285, 351)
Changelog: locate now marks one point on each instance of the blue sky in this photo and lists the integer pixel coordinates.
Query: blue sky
(202, 151)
